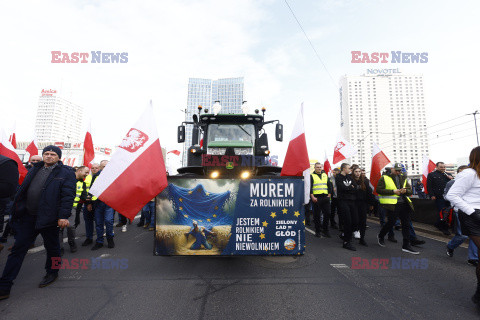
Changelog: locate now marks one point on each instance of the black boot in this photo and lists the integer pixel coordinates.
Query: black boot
(110, 242)
(48, 279)
(476, 296)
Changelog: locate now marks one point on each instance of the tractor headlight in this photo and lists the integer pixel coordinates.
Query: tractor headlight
(245, 175)
(216, 151)
(243, 151)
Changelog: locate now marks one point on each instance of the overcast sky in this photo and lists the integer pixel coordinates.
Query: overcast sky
(169, 41)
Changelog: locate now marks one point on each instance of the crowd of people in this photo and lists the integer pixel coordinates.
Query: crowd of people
(50, 202)
(350, 195)
(53, 197)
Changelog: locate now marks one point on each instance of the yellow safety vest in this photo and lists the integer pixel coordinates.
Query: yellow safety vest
(390, 185)
(88, 182)
(320, 184)
(78, 193)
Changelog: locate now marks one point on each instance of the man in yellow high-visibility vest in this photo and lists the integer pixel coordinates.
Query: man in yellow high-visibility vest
(321, 190)
(394, 190)
(88, 214)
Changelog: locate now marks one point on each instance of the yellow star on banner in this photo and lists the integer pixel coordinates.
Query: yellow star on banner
(190, 192)
(284, 210)
(262, 236)
(185, 215)
(265, 223)
(273, 215)
(304, 222)
(296, 214)
(216, 207)
(214, 215)
(209, 220)
(180, 199)
(181, 208)
(207, 193)
(200, 221)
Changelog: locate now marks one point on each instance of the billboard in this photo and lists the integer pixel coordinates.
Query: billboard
(230, 217)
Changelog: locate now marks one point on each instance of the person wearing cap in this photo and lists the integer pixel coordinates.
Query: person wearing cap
(393, 190)
(43, 203)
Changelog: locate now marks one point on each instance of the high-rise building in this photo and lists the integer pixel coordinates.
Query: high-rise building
(388, 109)
(58, 119)
(205, 92)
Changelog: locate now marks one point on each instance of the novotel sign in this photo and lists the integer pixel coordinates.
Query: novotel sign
(383, 71)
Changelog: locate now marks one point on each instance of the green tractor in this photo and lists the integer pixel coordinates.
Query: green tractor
(229, 146)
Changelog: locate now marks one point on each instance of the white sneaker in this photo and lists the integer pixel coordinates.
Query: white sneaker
(124, 228)
(356, 234)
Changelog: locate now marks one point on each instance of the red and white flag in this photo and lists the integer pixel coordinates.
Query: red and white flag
(327, 167)
(136, 173)
(296, 161)
(343, 150)
(88, 150)
(32, 148)
(379, 161)
(13, 138)
(7, 150)
(427, 166)
(175, 152)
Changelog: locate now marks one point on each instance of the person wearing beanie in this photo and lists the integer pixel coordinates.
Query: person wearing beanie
(43, 203)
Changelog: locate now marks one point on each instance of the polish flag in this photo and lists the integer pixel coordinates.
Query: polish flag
(32, 148)
(136, 173)
(88, 150)
(327, 167)
(175, 152)
(343, 150)
(13, 138)
(296, 161)
(428, 166)
(379, 161)
(7, 150)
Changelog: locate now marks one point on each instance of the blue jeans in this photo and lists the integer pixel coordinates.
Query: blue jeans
(458, 239)
(88, 217)
(103, 215)
(25, 235)
(381, 213)
(148, 213)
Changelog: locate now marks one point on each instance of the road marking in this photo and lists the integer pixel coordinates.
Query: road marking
(105, 255)
(311, 231)
(339, 265)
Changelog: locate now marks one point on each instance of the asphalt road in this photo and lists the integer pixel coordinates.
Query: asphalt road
(321, 284)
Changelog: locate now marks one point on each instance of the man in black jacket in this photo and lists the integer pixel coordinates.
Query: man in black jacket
(346, 195)
(436, 182)
(42, 204)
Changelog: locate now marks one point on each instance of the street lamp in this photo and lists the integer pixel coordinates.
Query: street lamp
(475, 119)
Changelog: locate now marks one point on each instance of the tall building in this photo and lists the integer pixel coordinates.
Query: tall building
(388, 109)
(205, 92)
(58, 119)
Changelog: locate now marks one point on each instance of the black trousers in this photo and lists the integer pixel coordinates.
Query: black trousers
(402, 211)
(362, 209)
(333, 210)
(348, 212)
(321, 210)
(25, 235)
